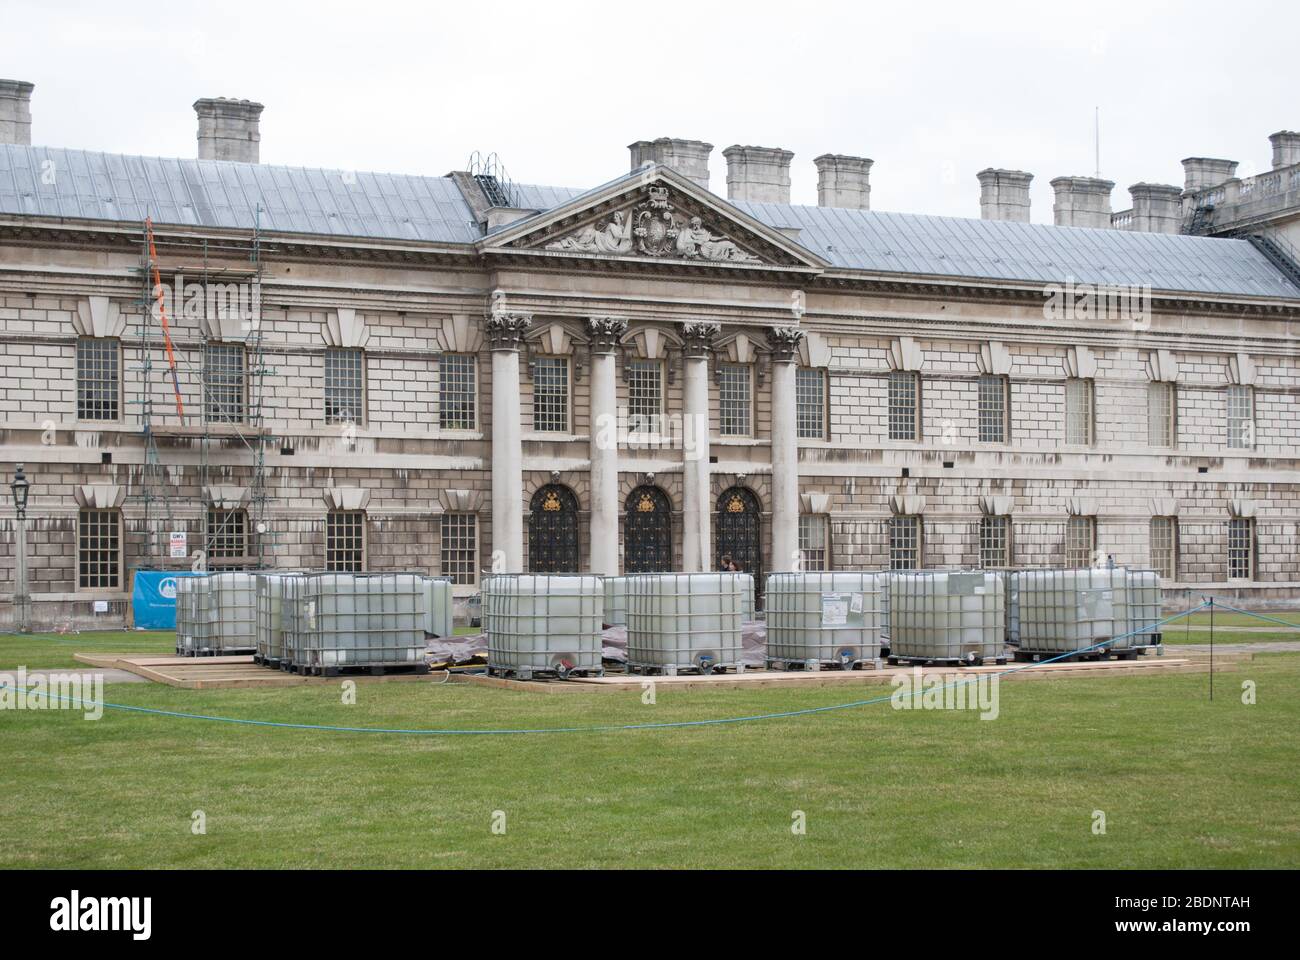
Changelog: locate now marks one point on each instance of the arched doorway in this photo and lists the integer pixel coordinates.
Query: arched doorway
(738, 530)
(553, 531)
(647, 532)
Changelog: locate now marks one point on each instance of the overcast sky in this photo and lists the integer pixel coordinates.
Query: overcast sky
(932, 92)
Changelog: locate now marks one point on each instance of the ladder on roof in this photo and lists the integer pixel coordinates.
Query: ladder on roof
(490, 174)
(1280, 253)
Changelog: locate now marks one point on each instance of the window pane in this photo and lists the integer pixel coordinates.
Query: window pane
(810, 390)
(813, 540)
(995, 542)
(1160, 414)
(460, 547)
(1241, 417)
(1163, 547)
(458, 391)
(98, 378)
(1241, 549)
(224, 398)
(1078, 412)
(904, 543)
(645, 396)
(99, 549)
(345, 540)
(227, 539)
(993, 409)
(344, 386)
(1080, 541)
(903, 396)
(551, 395)
(734, 396)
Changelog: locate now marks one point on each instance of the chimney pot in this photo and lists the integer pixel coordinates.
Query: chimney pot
(1157, 207)
(843, 182)
(1004, 194)
(690, 158)
(1082, 202)
(758, 174)
(228, 129)
(1200, 173)
(1286, 148)
(16, 112)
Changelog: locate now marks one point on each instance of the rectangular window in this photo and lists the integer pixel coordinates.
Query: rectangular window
(458, 391)
(1164, 547)
(995, 542)
(551, 395)
(904, 405)
(904, 543)
(345, 541)
(1241, 417)
(345, 386)
(1241, 549)
(1162, 414)
(736, 400)
(99, 550)
(814, 540)
(225, 375)
(99, 378)
(1080, 541)
(1079, 415)
(227, 540)
(645, 395)
(810, 394)
(460, 547)
(993, 409)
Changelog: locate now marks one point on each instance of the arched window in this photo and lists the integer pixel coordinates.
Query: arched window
(553, 531)
(647, 532)
(739, 515)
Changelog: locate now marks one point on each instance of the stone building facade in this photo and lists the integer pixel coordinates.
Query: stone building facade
(642, 376)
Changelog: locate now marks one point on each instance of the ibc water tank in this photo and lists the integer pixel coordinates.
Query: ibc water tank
(616, 600)
(686, 621)
(937, 615)
(823, 617)
(544, 623)
(348, 620)
(437, 606)
(220, 614)
(1146, 607)
(271, 609)
(1066, 611)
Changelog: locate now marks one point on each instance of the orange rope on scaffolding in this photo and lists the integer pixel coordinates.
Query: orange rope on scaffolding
(162, 314)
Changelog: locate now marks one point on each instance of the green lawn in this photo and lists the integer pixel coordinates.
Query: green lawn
(1223, 618)
(1226, 636)
(55, 650)
(1183, 782)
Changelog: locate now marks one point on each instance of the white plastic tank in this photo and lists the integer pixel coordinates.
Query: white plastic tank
(683, 621)
(1146, 606)
(1066, 611)
(824, 617)
(345, 620)
(271, 607)
(616, 600)
(219, 614)
(940, 615)
(437, 606)
(544, 623)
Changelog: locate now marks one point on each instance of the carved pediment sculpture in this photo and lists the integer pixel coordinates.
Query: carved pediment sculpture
(654, 228)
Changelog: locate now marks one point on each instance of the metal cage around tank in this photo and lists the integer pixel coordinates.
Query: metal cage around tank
(271, 613)
(817, 619)
(544, 624)
(686, 621)
(216, 614)
(346, 622)
(947, 616)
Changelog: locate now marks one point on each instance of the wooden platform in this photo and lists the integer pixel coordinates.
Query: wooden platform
(207, 673)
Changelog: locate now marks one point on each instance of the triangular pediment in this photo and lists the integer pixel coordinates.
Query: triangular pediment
(654, 215)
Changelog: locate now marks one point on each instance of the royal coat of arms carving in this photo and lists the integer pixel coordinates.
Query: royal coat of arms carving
(654, 228)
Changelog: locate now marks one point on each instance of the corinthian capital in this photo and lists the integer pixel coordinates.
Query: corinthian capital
(605, 332)
(784, 342)
(697, 338)
(505, 331)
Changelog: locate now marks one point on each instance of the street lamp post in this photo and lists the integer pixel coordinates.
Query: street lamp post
(22, 598)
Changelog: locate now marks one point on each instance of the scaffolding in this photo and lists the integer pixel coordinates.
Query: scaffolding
(230, 417)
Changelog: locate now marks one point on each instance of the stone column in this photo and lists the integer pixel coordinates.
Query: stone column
(697, 546)
(784, 342)
(504, 332)
(605, 333)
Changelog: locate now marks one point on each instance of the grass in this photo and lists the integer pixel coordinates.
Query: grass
(1183, 782)
(1228, 636)
(50, 650)
(1223, 618)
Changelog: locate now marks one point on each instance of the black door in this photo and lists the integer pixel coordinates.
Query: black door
(647, 532)
(553, 531)
(738, 531)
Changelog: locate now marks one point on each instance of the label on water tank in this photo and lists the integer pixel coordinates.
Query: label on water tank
(842, 609)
